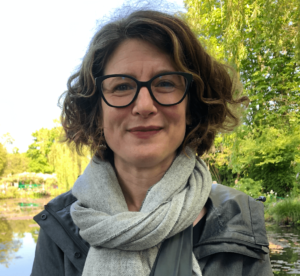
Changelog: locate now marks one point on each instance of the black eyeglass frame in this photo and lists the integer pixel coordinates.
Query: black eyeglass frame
(140, 84)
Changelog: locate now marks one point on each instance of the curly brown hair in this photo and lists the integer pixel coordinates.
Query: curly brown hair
(214, 101)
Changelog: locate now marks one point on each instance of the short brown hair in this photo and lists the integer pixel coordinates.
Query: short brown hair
(214, 101)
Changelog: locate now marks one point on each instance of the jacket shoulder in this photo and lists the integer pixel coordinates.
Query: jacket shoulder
(233, 215)
(62, 201)
(57, 225)
(220, 194)
(234, 235)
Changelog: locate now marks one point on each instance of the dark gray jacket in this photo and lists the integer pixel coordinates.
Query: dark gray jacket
(233, 241)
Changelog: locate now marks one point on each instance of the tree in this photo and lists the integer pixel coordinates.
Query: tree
(218, 159)
(67, 163)
(38, 151)
(7, 139)
(261, 39)
(16, 163)
(267, 154)
(3, 158)
(48, 154)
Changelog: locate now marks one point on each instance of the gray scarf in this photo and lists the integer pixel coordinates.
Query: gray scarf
(124, 242)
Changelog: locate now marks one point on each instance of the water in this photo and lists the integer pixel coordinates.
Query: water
(285, 250)
(19, 233)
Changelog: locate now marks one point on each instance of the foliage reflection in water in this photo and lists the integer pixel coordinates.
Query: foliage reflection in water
(19, 233)
(285, 250)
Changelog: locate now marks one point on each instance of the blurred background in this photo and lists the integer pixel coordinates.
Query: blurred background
(42, 43)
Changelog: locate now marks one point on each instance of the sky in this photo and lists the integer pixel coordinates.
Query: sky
(42, 43)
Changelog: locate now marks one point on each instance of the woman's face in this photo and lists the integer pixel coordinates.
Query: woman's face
(145, 133)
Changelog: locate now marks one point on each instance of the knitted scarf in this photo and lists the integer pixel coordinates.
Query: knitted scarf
(127, 243)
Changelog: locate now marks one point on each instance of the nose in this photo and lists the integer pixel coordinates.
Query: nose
(144, 105)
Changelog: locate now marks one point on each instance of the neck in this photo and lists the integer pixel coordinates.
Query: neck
(135, 181)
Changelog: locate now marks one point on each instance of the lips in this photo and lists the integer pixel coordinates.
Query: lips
(142, 132)
(145, 129)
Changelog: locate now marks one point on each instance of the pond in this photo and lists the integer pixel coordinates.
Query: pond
(19, 233)
(285, 250)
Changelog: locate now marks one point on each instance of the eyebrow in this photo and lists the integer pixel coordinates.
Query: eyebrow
(156, 73)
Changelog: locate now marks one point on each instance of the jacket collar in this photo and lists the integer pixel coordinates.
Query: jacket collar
(232, 219)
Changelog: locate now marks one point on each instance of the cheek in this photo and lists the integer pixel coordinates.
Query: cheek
(112, 118)
(176, 115)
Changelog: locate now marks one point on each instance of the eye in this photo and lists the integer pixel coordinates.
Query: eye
(165, 83)
(123, 87)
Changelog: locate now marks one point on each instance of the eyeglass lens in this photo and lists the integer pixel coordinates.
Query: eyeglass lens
(167, 89)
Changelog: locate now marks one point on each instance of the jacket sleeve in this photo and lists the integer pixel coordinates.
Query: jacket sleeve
(49, 258)
(258, 267)
(227, 264)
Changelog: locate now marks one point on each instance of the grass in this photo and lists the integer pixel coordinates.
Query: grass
(14, 192)
(285, 211)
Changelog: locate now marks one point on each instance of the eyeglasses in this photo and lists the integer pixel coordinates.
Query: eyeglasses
(167, 89)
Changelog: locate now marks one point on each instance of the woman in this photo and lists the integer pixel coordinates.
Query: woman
(146, 99)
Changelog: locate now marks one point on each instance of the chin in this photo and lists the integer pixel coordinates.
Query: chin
(150, 157)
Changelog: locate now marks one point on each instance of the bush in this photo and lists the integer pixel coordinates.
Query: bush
(41, 194)
(286, 211)
(249, 187)
(270, 155)
(10, 192)
(54, 192)
(50, 182)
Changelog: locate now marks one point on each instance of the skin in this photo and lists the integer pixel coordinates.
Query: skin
(142, 162)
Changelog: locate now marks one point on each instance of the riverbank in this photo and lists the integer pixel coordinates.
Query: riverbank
(284, 212)
(280, 211)
(16, 193)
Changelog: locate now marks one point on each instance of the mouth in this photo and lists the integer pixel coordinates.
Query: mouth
(145, 129)
(142, 132)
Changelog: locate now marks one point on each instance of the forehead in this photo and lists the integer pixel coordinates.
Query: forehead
(136, 54)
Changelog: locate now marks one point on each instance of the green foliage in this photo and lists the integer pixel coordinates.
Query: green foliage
(267, 154)
(226, 176)
(286, 211)
(46, 155)
(39, 194)
(38, 151)
(16, 163)
(249, 187)
(14, 192)
(29, 178)
(218, 159)
(67, 163)
(6, 139)
(261, 39)
(10, 192)
(51, 182)
(3, 158)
